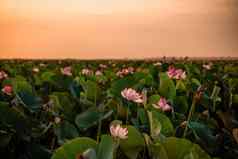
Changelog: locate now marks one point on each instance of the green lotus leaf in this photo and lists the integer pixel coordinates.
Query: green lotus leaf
(134, 144)
(74, 147)
(167, 88)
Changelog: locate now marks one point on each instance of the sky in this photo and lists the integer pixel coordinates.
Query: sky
(50, 7)
(90, 29)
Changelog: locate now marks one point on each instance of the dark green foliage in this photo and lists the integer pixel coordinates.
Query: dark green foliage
(52, 115)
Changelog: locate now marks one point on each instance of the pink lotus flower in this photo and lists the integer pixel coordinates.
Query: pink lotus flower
(98, 73)
(7, 89)
(35, 70)
(130, 69)
(163, 105)
(171, 72)
(207, 66)
(3, 75)
(180, 74)
(103, 66)
(125, 71)
(57, 120)
(131, 95)
(67, 71)
(42, 65)
(174, 73)
(86, 72)
(158, 64)
(119, 132)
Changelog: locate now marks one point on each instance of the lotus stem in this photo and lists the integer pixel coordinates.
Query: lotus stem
(127, 114)
(99, 130)
(190, 116)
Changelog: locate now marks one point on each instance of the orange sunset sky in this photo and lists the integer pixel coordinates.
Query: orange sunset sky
(90, 29)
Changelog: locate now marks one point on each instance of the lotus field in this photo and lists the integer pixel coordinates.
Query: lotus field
(118, 109)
